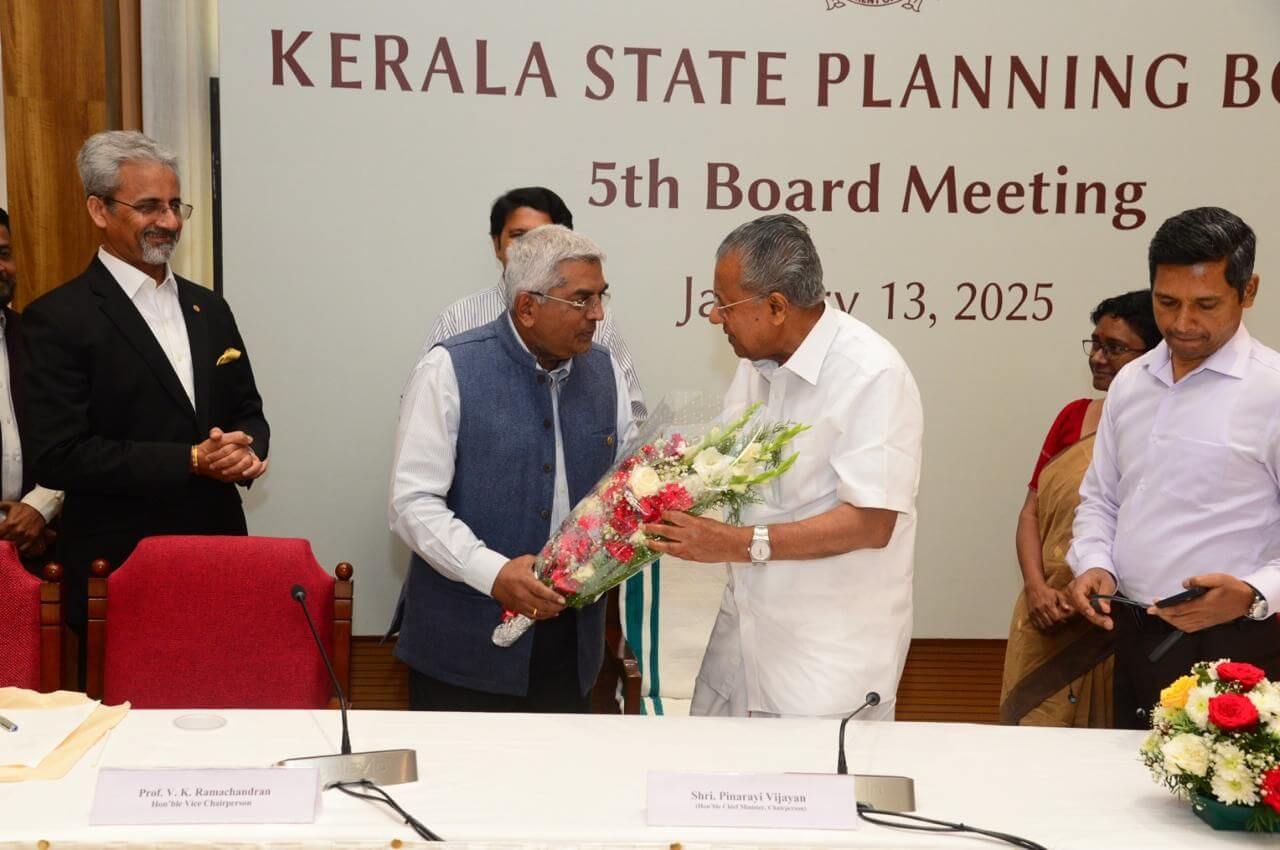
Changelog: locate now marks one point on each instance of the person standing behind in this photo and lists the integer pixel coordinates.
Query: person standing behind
(817, 610)
(1058, 667)
(513, 215)
(25, 507)
(1184, 487)
(141, 400)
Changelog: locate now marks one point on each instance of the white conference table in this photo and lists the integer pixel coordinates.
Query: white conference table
(492, 780)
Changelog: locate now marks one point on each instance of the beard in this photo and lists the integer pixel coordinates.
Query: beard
(7, 285)
(158, 254)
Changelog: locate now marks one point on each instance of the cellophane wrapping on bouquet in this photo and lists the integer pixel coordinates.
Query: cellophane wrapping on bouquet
(684, 459)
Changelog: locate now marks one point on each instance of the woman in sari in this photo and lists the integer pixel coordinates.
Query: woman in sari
(1058, 667)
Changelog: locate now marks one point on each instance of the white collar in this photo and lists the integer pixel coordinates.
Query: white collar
(559, 373)
(130, 277)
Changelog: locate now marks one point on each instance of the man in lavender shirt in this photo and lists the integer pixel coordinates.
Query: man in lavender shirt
(1184, 488)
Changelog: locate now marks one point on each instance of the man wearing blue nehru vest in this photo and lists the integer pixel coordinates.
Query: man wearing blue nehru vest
(1184, 487)
(502, 430)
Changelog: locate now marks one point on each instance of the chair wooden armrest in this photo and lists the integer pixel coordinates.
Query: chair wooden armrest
(342, 592)
(51, 628)
(620, 666)
(96, 630)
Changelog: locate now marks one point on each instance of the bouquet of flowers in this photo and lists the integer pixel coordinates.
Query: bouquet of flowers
(1216, 736)
(600, 544)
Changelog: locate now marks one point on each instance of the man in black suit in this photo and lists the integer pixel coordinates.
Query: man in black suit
(25, 507)
(142, 403)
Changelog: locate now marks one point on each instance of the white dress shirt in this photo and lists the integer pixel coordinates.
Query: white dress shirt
(161, 311)
(813, 637)
(423, 465)
(47, 502)
(1185, 478)
(481, 308)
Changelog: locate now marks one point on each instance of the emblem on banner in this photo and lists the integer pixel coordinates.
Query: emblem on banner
(909, 5)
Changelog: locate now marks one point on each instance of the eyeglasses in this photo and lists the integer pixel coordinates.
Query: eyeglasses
(601, 300)
(156, 208)
(1109, 349)
(724, 308)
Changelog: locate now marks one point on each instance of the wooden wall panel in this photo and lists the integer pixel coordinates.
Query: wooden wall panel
(64, 72)
(954, 681)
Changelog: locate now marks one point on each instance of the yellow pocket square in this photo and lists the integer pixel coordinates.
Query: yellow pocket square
(228, 356)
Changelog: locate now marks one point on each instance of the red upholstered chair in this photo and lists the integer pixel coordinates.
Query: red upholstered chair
(30, 624)
(209, 622)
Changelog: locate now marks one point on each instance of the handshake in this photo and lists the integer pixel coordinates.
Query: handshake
(227, 457)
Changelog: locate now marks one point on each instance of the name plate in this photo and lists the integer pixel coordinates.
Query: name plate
(212, 795)
(765, 800)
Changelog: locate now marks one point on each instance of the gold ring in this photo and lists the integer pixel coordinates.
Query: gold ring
(534, 615)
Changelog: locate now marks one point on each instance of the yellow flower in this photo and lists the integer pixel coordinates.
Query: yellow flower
(1175, 696)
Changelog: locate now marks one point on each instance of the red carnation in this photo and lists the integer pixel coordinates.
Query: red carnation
(622, 552)
(1232, 712)
(590, 522)
(651, 508)
(624, 520)
(675, 445)
(1238, 671)
(675, 498)
(1271, 788)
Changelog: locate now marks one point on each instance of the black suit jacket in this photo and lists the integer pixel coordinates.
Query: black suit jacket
(17, 391)
(111, 425)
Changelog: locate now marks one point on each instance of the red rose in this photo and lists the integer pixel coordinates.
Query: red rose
(651, 508)
(1271, 788)
(624, 520)
(675, 498)
(622, 552)
(1232, 712)
(1238, 671)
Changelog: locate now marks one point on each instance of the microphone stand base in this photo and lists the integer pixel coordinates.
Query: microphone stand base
(381, 767)
(886, 793)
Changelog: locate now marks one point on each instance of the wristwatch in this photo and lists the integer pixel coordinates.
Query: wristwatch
(1259, 610)
(760, 550)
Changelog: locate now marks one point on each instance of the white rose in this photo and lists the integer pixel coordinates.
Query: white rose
(644, 481)
(1197, 707)
(1234, 787)
(1186, 753)
(1266, 698)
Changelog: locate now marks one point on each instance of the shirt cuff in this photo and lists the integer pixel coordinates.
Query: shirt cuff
(47, 502)
(1093, 557)
(482, 569)
(1267, 582)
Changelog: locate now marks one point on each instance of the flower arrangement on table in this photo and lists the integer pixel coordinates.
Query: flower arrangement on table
(1215, 740)
(600, 544)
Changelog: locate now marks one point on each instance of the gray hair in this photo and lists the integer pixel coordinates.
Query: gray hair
(777, 255)
(533, 260)
(102, 154)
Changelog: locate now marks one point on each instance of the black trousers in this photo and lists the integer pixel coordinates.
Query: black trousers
(553, 679)
(1138, 681)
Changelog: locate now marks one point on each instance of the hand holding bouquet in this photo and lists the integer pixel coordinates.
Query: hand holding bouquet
(1216, 735)
(600, 544)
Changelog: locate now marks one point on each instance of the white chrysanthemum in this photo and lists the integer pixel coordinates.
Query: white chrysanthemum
(1186, 753)
(1151, 745)
(1234, 787)
(1266, 698)
(1197, 707)
(644, 481)
(1228, 758)
(1162, 715)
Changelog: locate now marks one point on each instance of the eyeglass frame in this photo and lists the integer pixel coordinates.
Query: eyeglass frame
(601, 297)
(723, 308)
(181, 209)
(1108, 349)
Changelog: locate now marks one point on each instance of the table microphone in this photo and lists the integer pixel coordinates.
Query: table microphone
(383, 767)
(873, 699)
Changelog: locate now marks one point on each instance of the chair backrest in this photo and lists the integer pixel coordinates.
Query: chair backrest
(31, 614)
(209, 622)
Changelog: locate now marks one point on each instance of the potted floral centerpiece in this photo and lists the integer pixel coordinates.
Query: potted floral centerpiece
(1215, 741)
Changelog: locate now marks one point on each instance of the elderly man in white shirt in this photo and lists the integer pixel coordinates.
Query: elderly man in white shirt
(817, 610)
(1184, 488)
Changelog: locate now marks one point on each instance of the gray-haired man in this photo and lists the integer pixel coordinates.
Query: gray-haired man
(141, 402)
(502, 430)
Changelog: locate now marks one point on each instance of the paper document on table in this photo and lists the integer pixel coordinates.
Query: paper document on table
(40, 731)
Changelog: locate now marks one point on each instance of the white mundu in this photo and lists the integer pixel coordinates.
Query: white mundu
(813, 637)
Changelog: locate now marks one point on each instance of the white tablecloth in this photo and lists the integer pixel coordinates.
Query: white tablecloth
(520, 780)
